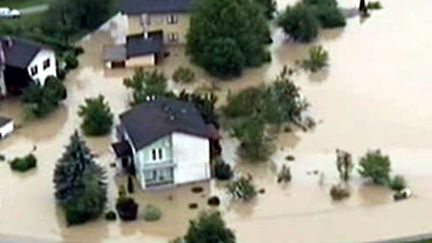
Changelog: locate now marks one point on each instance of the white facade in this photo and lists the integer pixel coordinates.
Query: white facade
(191, 155)
(175, 159)
(42, 66)
(6, 129)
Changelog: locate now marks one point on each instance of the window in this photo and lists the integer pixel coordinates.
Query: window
(157, 154)
(46, 64)
(173, 37)
(172, 19)
(34, 70)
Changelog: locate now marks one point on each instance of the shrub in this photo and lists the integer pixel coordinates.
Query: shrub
(398, 183)
(208, 228)
(339, 192)
(242, 188)
(97, 116)
(222, 170)
(374, 5)
(213, 201)
(126, 206)
(376, 166)
(318, 59)
(152, 213)
(24, 164)
(245, 103)
(71, 60)
(330, 17)
(284, 174)
(300, 23)
(183, 75)
(146, 83)
(40, 101)
(111, 216)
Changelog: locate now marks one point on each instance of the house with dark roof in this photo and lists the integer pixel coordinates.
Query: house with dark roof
(164, 142)
(23, 62)
(152, 24)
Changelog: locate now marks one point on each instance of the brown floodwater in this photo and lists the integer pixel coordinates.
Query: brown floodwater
(375, 94)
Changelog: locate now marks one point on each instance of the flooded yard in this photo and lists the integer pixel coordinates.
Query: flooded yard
(375, 94)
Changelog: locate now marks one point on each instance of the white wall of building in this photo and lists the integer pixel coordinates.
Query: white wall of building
(191, 154)
(38, 61)
(6, 129)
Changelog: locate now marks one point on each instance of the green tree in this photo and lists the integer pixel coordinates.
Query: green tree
(145, 84)
(376, 166)
(268, 7)
(97, 116)
(223, 58)
(216, 25)
(80, 183)
(41, 100)
(253, 144)
(300, 23)
(67, 18)
(205, 105)
(209, 228)
(329, 16)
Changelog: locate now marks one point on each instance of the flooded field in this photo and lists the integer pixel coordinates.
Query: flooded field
(375, 94)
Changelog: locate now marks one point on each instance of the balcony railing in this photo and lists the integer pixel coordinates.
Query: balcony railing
(157, 165)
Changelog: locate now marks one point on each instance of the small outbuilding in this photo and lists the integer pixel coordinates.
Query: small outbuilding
(6, 127)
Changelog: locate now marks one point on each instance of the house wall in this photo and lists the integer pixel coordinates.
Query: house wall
(42, 73)
(143, 157)
(6, 129)
(191, 154)
(144, 61)
(3, 90)
(155, 22)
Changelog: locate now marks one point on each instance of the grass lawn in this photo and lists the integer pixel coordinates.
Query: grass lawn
(18, 4)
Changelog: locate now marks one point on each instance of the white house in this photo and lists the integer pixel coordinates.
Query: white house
(164, 142)
(23, 62)
(6, 127)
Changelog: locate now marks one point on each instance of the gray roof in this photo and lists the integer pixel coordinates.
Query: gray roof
(155, 119)
(4, 120)
(19, 52)
(137, 45)
(137, 7)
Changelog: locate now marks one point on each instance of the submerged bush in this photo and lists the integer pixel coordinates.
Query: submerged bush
(152, 213)
(24, 164)
(374, 5)
(126, 206)
(242, 188)
(284, 174)
(222, 170)
(397, 183)
(111, 216)
(183, 75)
(300, 23)
(376, 166)
(318, 59)
(330, 17)
(339, 192)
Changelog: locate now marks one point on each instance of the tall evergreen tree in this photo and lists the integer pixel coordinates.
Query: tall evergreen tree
(80, 183)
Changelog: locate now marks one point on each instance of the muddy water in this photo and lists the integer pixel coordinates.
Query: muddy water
(375, 94)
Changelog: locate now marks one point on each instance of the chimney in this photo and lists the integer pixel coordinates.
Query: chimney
(8, 42)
